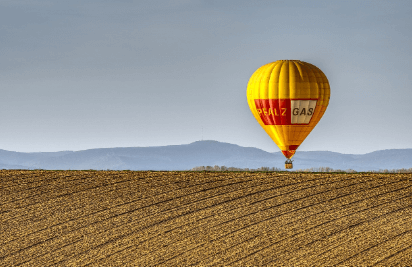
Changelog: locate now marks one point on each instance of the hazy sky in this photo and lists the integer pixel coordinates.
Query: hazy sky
(102, 73)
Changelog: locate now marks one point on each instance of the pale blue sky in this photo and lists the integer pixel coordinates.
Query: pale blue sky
(86, 74)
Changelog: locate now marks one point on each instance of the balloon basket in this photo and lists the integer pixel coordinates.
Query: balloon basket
(288, 164)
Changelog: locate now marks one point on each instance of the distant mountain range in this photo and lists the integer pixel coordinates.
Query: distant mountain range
(200, 153)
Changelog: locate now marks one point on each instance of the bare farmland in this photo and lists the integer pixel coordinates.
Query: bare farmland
(124, 218)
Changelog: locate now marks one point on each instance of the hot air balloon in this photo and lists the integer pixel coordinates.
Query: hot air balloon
(288, 98)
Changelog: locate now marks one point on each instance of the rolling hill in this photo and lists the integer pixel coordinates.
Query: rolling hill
(200, 153)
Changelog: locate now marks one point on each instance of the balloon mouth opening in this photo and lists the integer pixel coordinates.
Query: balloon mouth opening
(288, 153)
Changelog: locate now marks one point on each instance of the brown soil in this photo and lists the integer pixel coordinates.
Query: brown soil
(124, 218)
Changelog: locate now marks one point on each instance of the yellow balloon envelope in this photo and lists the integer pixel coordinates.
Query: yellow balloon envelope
(288, 98)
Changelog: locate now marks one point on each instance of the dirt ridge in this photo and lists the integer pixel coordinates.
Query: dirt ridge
(149, 218)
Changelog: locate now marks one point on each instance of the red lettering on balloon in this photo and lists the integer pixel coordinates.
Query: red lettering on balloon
(278, 111)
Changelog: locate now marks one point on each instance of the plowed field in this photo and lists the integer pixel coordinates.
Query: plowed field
(124, 218)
